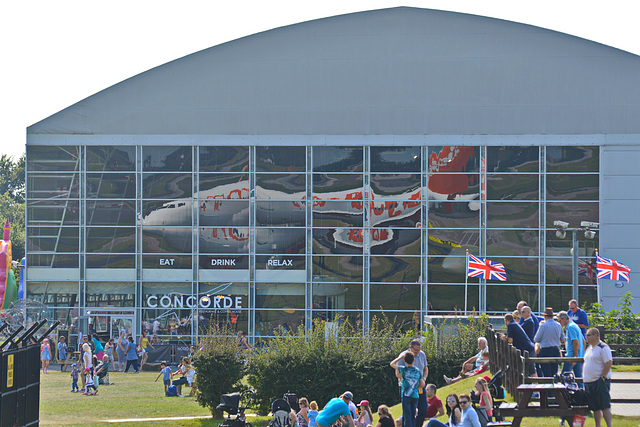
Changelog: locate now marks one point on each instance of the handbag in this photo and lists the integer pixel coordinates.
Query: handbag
(482, 416)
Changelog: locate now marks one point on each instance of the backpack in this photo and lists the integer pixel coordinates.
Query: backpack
(281, 419)
(172, 391)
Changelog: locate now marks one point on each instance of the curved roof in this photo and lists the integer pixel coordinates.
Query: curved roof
(402, 71)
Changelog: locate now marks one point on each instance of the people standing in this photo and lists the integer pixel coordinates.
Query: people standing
(411, 381)
(144, 347)
(519, 339)
(62, 353)
(574, 344)
(536, 319)
(313, 413)
(528, 325)
(45, 355)
(548, 340)
(98, 349)
(121, 349)
(420, 362)
(109, 347)
(579, 317)
(303, 415)
(132, 356)
(597, 377)
(165, 371)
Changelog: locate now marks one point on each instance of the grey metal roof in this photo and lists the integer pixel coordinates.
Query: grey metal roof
(399, 71)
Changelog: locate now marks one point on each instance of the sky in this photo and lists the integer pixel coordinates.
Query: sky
(56, 53)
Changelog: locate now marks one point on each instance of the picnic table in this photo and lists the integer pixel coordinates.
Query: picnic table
(526, 408)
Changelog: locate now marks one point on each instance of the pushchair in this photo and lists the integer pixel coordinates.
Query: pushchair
(281, 411)
(497, 392)
(231, 403)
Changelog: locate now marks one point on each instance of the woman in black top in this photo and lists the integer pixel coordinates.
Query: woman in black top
(386, 419)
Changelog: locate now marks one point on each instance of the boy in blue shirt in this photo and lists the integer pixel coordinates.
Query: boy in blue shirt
(165, 371)
(74, 378)
(411, 381)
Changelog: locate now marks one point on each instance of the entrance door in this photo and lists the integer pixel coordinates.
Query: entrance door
(121, 323)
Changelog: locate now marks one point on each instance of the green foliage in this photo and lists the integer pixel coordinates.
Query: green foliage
(12, 180)
(623, 319)
(220, 366)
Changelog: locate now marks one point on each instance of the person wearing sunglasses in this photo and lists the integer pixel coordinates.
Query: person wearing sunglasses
(453, 411)
(469, 415)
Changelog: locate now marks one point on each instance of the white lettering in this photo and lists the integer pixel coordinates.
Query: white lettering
(280, 263)
(229, 301)
(216, 261)
(166, 261)
(203, 300)
(178, 301)
(216, 302)
(150, 304)
(238, 302)
(191, 301)
(166, 304)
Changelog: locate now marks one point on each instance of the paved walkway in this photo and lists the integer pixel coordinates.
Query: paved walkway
(626, 391)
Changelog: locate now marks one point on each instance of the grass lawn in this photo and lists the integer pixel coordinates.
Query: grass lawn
(137, 396)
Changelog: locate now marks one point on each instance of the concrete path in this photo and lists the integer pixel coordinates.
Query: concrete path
(626, 391)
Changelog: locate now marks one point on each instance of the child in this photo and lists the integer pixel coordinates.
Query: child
(90, 388)
(74, 378)
(165, 371)
(411, 381)
(365, 418)
(45, 355)
(313, 413)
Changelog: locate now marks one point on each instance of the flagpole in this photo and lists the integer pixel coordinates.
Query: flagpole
(597, 280)
(466, 279)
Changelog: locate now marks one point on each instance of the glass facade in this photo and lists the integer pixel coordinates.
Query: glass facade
(262, 237)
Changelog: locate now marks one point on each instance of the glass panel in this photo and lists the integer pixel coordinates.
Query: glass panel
(558, 296)
(268, 322)
(519, 270)
(587, 295)
(52, 158)
(337, 214)
(573, 159)
(160, 289)
(337, 187)
(54, 294)
(395, 269)
(557, 246)
(454, 186)
(234, 320)
(237, 295)
(454, 214)
(446, 269)
(224, 212)
(559, 271)
(337, 268)
(401, 186)
(170, 158)
(337, 241)
(111, 294)
(111, 185)
(395, 241)
(46, 186)
(111, 239)
(512, 187)
(53, 239)
(473, 301)
(453, 159)
(53, 212)
(281, 159)
(337, 159)
(172, 212)
(280, 262)
(337, 296)
(111, 261)
(68, 318)
(52, 260)
(224, 262)
(446, 298)
(290, 214)
(395, 297)
(166, 186)
(395, 213)
(453, 242)
(280, 240)
(505, 298)
(572, 212)
(166, 239)
(224, 186)
(283, 295)
(111, 212)
(512, 242)
(277, 186)
(512, 214)
(403, 321)
(167, 262)
(110, 158)
(232, 240)
(224, 159)
(395, 159)
(573, 187)
(513, 159)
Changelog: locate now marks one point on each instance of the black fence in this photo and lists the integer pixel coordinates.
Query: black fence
(20, 377)
(172, 353)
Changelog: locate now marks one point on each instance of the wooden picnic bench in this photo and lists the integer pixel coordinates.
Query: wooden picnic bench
(526, 408)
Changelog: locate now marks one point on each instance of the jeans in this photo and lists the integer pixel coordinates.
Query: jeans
(435, 423)
(549, 369)
(577, 370)
(409, 406)
(423, 406)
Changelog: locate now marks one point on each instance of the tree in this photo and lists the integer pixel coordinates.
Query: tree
(12, 192)
(12, 177)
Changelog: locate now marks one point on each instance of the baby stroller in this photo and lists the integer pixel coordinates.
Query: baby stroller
(230, 403)
(281, 413)
(495, 385)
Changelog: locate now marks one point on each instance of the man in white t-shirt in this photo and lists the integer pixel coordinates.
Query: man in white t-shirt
(596, 375)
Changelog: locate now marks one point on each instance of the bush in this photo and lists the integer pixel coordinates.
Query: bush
(623, 319)
(220, 367)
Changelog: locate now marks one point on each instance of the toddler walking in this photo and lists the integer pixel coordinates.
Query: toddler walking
(74, 378)
(165, 371)
(89, 385)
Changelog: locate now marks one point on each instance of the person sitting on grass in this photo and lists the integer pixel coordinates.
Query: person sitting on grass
(165, 371)
(475, 362)
(481, 369)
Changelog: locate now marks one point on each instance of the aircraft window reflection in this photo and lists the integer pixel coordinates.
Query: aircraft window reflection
(172, 212)
(224, 186)
(338, 186)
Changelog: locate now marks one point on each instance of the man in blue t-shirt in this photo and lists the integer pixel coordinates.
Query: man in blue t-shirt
(519, 339)
(334, 409)
(574, 344)
(579, 317)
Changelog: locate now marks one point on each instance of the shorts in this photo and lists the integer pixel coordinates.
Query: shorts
(598, 394)
(167, 382)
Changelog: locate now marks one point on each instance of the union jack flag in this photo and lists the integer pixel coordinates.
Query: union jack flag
(587, 268)
(485, 269)
(612, 269)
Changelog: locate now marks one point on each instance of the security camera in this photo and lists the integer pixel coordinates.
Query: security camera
(589, 224)
(561, 224)
(560, 233)
(590, 234)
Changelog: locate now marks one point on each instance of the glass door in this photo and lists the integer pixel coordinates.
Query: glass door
(121, 323)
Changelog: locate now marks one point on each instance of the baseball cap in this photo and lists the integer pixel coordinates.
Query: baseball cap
(74, 365)
(364, 403)
(348, 395)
